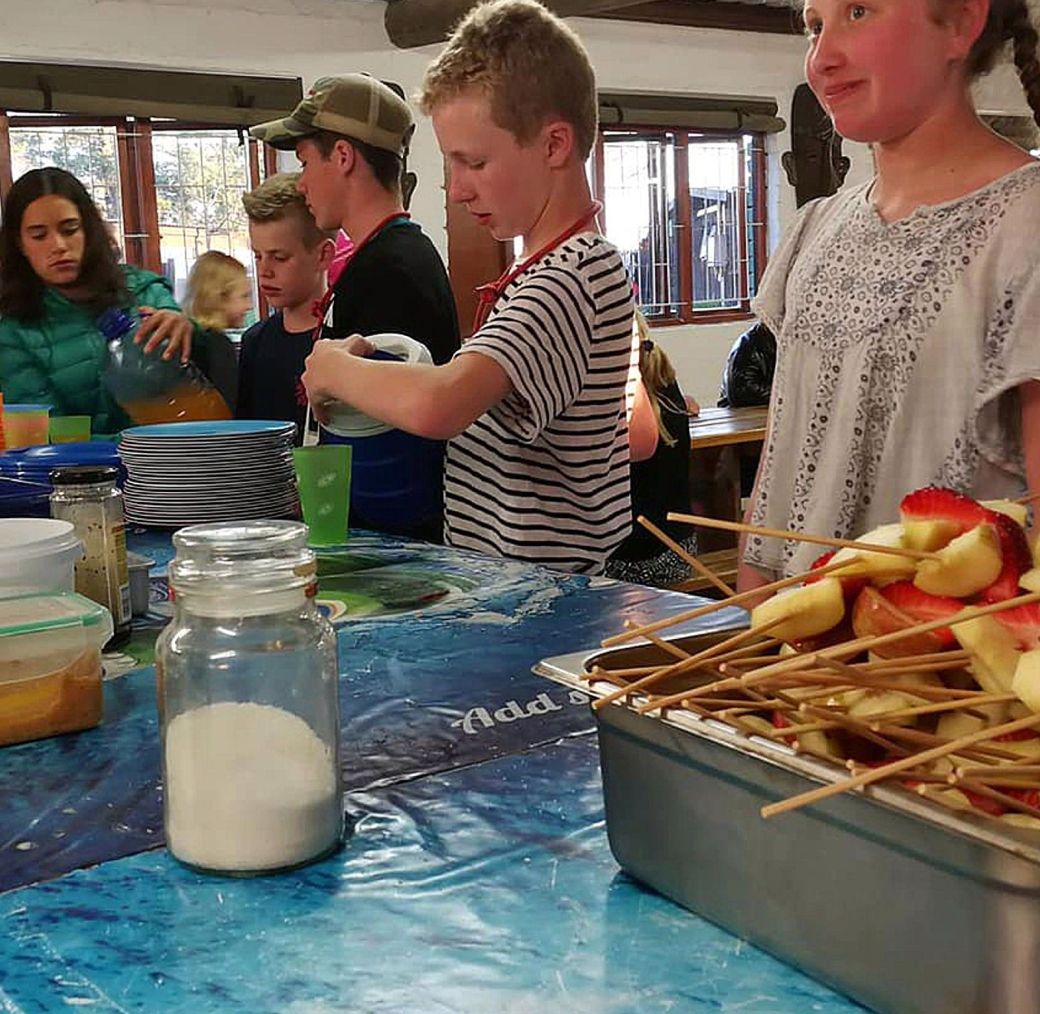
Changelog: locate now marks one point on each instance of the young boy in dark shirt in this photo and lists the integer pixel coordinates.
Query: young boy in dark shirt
(292, 257)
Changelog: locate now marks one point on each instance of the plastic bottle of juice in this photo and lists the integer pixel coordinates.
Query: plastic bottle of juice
(151, 389)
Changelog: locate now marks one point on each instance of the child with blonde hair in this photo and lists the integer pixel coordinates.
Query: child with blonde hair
(533, 405)
(218, 297)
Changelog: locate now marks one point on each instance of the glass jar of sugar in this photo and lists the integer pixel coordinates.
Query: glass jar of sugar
(248, 702)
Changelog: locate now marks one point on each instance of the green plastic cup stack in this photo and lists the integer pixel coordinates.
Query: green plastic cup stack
(69, 429)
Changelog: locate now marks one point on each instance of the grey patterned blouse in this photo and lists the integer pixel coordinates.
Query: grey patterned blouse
(900, 348)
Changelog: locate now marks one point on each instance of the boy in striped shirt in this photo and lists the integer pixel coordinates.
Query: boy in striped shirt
(533, 405)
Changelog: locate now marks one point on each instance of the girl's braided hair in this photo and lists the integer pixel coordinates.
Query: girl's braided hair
(1010, 21)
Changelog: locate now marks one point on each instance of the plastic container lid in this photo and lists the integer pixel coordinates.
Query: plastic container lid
(27, 408)
(83, 475)
(28, 538)
(43, 612)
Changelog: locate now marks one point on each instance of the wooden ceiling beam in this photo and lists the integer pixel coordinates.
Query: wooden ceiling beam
(738, 17)
(411, 23)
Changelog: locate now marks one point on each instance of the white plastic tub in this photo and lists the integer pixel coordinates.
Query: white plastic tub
(37, 555)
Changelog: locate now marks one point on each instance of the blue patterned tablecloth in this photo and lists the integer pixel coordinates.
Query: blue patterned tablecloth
(478, 876)
(489, 888)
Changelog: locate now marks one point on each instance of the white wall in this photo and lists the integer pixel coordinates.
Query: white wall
(311, 38)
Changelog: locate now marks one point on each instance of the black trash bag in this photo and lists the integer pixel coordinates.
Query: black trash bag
(748, 376)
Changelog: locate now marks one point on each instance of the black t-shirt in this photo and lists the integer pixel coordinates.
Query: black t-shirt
(396, 283)
(662, 482)
(269, 370)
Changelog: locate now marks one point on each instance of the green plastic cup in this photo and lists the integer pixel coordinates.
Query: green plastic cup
(70, 429)
(323, 474)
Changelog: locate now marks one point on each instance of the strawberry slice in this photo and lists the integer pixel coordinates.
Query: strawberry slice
(1024, 624)
(1016, 555)
(850, 586)
(905, 595)
(936, 503)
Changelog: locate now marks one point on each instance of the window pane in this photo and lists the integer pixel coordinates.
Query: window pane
(716, 209)
(640, 215)
(200, 177)
(89, 153)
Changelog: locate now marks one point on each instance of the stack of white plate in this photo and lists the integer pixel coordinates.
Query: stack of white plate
(187, 473)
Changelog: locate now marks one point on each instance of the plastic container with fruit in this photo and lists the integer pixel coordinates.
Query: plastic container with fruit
(50, 664)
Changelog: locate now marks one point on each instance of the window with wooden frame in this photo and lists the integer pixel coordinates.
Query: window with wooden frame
(686, 209)
(167, 189)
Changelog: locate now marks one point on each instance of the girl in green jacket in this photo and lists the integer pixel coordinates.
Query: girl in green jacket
(58, 271)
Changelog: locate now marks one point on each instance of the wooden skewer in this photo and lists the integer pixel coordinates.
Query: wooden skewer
(918, 664)
(716, 653)
(817, 540)
(696, 564)
(1028, 498)
(667, 647)
(712, 607)
(878, 774)
(983, 771)
(683, 666)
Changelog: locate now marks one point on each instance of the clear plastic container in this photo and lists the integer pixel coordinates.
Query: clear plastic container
(86, 496)
(50, 665)
(151, 389)
(248, 702)
(37, 555)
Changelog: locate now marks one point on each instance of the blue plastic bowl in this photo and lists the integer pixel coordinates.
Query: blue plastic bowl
(20, 499)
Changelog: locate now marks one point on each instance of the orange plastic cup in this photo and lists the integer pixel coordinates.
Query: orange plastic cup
(26, 425)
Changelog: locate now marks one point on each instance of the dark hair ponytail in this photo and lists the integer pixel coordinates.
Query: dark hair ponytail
(1010, 21)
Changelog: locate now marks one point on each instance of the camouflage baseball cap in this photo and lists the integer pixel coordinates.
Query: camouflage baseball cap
(354, 105)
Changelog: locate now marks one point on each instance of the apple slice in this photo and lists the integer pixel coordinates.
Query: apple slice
(971, 562)
(875, 565)
(1030, 580)
(876, 702)
(933, 516)
(1016, 511)
(873, 615)
(1026, 684)
(994, 653)
(805, 611)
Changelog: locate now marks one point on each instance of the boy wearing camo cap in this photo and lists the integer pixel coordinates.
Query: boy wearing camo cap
(351, 135)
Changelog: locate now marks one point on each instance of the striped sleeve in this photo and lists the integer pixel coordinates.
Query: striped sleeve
(543, 341)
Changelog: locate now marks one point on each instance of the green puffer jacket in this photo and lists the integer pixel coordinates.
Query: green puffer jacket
(59, 360)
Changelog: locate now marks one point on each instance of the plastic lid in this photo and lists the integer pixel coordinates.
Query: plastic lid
(33, 537)
(38, 613)
(27, 408)
(115, 322)
(83, 475)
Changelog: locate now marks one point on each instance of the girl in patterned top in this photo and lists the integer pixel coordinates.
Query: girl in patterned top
(905, 309)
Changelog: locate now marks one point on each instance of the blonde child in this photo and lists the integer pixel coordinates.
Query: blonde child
(905, 309)
(533, 405)
(218, 297)
(292, 258)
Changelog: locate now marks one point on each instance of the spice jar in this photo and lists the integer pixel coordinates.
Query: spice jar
(248, 702)
(87, 497)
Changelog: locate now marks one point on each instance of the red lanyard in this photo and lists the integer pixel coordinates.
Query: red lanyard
(321, 307)
(487, 295)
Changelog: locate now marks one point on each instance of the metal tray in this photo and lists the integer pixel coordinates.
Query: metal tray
(904, 905)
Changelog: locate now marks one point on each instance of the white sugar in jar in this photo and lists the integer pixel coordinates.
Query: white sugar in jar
(248, 697)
